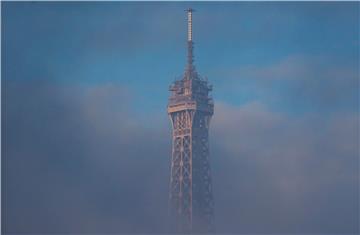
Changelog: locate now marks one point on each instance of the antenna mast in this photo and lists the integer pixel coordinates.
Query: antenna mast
(190, 60)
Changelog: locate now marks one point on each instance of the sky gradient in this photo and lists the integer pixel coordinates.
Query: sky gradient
(87, 141)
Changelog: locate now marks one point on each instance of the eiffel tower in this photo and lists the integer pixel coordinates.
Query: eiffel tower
(190, 109)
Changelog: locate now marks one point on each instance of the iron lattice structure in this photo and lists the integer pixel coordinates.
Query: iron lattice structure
(190, 109)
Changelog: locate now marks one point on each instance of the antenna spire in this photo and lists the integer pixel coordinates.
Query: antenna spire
(189, 14)
(190, 68)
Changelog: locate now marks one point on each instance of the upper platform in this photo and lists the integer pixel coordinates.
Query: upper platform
(191, 94)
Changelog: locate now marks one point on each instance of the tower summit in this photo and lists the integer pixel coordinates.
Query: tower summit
(190, 109)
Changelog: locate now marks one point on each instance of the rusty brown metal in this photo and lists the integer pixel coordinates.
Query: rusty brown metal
(190, 109)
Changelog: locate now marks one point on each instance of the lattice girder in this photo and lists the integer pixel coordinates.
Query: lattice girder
(190, 184)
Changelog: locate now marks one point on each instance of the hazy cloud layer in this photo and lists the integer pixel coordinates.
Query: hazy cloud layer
(297, 83)
(78, 159)
(292, 174)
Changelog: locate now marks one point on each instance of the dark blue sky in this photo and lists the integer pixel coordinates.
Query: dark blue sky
(85, 136)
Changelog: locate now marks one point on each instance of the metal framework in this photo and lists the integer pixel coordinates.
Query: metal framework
(190, 109)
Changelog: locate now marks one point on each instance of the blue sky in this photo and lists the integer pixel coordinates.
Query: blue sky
(142, 47)
(86, 140)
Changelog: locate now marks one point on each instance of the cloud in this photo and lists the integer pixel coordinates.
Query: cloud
(298, 82)
(79, 159)
(286, 174)
(75, 160)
